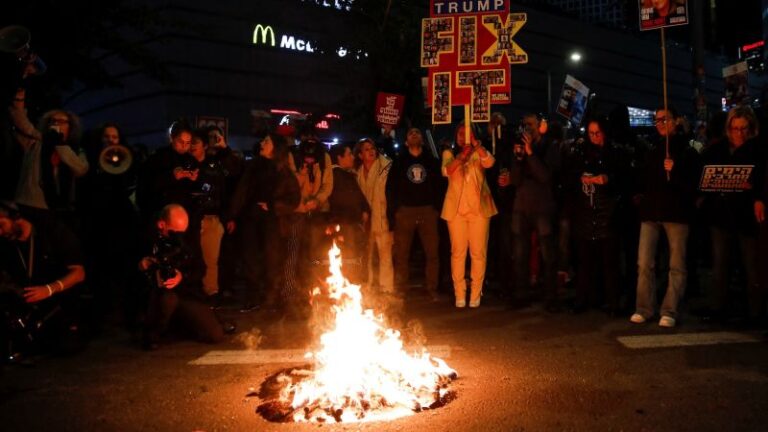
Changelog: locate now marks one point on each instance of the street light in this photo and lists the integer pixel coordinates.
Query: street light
(575, 57)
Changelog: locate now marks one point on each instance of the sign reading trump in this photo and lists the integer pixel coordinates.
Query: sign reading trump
(467, 47)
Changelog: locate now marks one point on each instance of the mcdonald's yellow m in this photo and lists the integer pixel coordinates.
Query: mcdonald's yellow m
(261, 32)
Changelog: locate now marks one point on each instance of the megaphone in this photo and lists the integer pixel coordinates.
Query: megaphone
(14, 39)
(115, 159)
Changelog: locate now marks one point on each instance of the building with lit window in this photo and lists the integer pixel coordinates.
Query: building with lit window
(235, 61)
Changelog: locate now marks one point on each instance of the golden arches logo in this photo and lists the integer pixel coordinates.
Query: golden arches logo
(261, 32)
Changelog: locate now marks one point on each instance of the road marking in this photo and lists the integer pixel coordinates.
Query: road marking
(281, 356)
(686, 339)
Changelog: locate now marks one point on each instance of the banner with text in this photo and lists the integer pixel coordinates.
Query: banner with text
(467, 47)
(726, 178)
(662, 13)
(389, 108)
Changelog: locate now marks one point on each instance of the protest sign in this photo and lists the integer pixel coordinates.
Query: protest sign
(573, 100)
(726, 178)
(662, 13)
(467, 47)
(389, 108)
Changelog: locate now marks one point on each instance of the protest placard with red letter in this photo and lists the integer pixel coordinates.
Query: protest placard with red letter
(467, 46)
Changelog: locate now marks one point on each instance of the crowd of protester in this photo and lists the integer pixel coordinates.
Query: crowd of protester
(602, 219)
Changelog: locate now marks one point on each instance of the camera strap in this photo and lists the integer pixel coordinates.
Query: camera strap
(28, 264)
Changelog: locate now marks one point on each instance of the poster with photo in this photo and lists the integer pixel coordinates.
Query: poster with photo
(467, 48)
(662, 13)
(573, 100)
(736, 84)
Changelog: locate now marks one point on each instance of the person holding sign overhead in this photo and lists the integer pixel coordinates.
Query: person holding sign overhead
(667, 192)
(468, 208)
(736, 214)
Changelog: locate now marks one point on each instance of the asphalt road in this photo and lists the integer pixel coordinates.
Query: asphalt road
(522, 370)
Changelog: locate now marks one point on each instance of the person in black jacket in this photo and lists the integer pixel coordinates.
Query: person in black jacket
(349, 210)
(166, 175)
(209, 195)
(593, 180)
(231, 164)
(413, 204)
(264, 204)
(668, 190)
(534, 167)
(736, 215)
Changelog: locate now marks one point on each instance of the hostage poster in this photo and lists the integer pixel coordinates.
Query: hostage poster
(573, 100)
(662, 13)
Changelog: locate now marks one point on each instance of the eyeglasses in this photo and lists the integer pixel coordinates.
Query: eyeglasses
(661, 120)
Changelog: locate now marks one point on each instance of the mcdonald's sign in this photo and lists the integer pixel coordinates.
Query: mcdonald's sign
(261, 32)
(265, 35)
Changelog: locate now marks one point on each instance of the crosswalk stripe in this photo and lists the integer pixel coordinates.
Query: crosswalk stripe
(686, 339)
(281, 356)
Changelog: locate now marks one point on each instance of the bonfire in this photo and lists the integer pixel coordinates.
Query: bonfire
(362, 371)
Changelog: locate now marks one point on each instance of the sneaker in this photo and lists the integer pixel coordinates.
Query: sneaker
(461, 303)
(667, 321)
(637, 318)
(474, 303)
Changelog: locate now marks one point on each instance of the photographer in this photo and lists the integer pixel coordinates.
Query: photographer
(175, 274)
(536, 160)
(52, 160)
(41, 268)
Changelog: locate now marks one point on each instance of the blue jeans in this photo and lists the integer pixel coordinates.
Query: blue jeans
(677, 236)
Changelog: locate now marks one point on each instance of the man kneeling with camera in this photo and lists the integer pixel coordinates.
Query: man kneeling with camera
(175, 272)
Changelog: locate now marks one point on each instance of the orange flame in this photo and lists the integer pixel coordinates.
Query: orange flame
(362, 371)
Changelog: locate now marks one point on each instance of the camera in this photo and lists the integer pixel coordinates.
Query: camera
(166, 252)
(518, 148)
